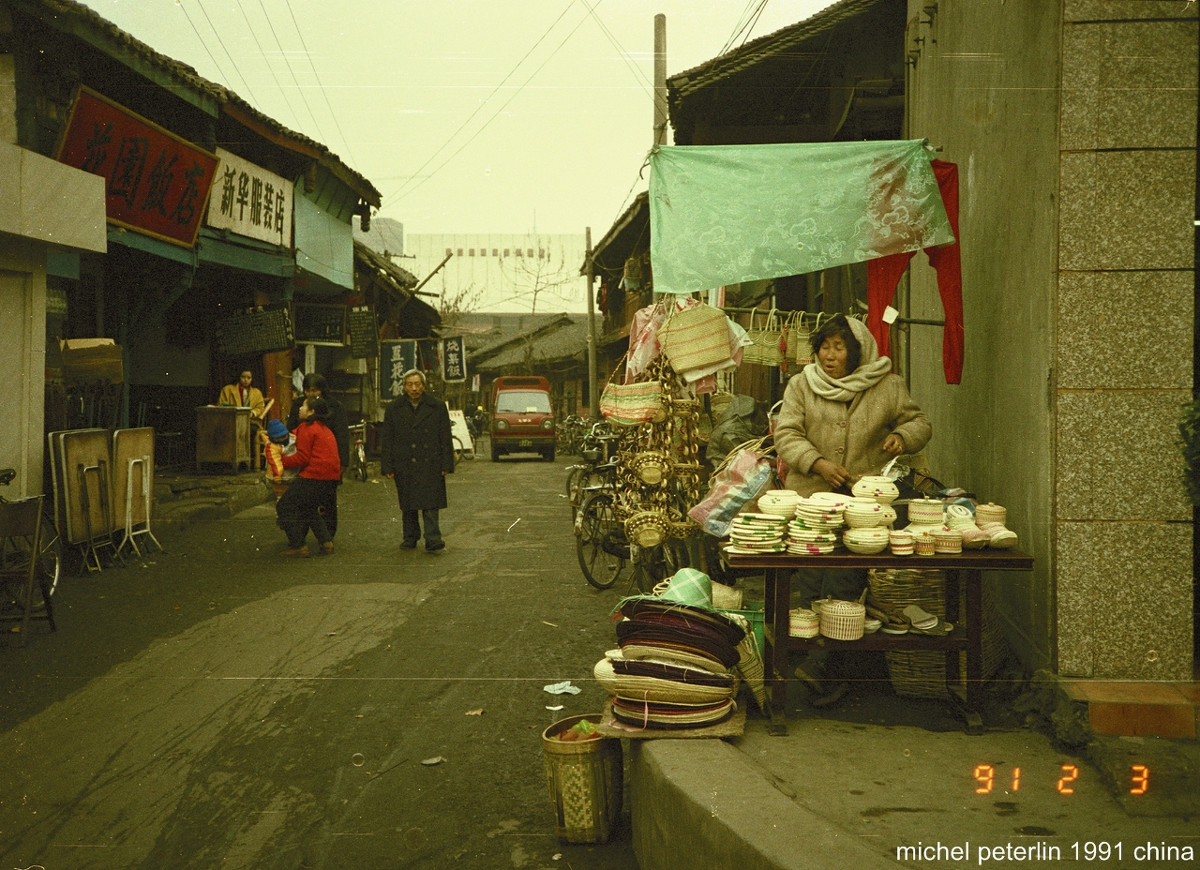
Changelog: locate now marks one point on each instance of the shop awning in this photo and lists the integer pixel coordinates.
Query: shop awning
(726, 214)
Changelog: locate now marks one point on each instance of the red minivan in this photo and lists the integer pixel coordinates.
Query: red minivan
(522, 416)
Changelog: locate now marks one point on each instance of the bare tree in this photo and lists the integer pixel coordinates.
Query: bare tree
(538, 269)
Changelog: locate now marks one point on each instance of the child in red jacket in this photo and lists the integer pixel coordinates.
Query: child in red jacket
(314, 489)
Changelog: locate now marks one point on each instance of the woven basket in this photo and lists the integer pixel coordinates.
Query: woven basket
(803, 622)
(726, 597)
(648, 528)
(842, 620)
(923, 674)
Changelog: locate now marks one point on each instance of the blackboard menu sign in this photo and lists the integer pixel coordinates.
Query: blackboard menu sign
(320, 324)
(364, 335)
(258, 330)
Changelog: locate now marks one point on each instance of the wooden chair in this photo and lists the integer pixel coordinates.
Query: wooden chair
(20, 539)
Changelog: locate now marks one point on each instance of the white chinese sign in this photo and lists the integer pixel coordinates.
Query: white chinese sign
(250, 201)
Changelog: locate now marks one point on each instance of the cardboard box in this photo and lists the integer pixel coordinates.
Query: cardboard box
(92, 359)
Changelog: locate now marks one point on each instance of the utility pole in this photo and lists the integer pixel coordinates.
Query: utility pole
(593, 398)
(660, 79)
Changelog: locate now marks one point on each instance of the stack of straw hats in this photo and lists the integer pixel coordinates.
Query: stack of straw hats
(675, 666)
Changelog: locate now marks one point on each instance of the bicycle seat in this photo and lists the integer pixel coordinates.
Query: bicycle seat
(7, 475)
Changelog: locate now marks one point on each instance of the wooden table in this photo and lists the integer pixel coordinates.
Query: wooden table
(223, 435)
(964, 598)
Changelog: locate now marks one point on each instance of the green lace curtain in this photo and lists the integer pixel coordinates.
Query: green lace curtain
(723, 214)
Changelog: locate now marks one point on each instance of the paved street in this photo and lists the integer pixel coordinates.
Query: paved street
(218, 705)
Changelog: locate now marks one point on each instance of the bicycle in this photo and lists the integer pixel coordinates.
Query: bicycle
(596, 451)
(14, 552)
(600, 543)
(358, 451)
(461, 452)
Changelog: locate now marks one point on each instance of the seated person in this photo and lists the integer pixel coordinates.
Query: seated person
(242, 395)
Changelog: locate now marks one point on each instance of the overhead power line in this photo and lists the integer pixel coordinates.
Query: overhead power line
(416, 179)
(221, 42)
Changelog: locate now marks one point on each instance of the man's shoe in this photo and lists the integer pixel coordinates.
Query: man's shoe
(433, 548)
(327, 548)
(408, 545)
(298, 551)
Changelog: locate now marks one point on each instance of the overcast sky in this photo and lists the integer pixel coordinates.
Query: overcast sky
(469, 116)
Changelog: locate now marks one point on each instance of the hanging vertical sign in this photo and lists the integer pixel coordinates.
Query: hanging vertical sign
(454, 360)
(155, 182)
(395, 358)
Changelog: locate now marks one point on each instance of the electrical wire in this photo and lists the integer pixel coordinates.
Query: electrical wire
(320, 84)
(402, 190)
(647, 85)
(288, 63)
(746, 26)
(221, 42)
(515, 94)
(270, 66)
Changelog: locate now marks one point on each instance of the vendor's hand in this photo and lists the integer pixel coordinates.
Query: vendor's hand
(389, 476)
(835, 475)
(893, 445)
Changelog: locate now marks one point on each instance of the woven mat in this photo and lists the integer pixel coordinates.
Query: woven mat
(734, 726)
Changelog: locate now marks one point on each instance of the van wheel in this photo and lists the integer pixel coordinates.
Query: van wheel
(496, 454)
(549, 454)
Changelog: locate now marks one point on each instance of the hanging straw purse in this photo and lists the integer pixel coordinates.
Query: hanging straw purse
(764, 350)
(631, 404)
(800, 340)
(695, 337)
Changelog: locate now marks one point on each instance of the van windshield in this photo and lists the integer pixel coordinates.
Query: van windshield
(521, 402)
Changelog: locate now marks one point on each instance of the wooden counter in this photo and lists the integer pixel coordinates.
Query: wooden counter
(964, 599)
(223, 436)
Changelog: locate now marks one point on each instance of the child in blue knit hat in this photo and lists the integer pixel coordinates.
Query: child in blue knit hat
(278, 442)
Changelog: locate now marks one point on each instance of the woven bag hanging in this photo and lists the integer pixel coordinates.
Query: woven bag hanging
(800, 340)
(764, 350)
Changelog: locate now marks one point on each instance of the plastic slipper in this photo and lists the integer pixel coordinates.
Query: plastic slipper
(920, 619)
(940, 629)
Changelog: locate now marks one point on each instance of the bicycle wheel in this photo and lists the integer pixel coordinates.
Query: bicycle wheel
(666, 559)
(358, 461)
(575, 477)
(458, 449)
(51, 557)
(14, 554)
(600, 541)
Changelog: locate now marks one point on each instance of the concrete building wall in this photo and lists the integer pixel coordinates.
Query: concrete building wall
(1074, 128)
(1124, 358)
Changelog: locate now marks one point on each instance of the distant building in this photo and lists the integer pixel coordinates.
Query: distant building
(493, 272)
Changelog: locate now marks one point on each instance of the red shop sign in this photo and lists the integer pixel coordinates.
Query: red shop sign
(157, 183)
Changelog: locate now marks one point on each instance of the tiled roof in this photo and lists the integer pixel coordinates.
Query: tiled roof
(564, 344)
(754, 52)
(72, 17)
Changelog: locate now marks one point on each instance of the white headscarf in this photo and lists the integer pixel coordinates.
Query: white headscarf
(872, 368)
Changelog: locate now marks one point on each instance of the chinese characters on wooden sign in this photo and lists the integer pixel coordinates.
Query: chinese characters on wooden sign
(251, 201)
(156, 182)
(454, 360)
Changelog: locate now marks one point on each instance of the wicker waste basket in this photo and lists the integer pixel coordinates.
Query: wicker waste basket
(585, 779)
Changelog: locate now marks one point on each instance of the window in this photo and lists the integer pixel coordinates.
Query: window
(519, 402)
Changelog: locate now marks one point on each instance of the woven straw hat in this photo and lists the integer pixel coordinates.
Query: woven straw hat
(656, 689)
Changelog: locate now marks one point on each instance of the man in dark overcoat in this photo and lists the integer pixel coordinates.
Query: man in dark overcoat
(418, 453)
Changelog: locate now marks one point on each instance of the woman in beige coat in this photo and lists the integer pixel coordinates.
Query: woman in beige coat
(843, 416)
